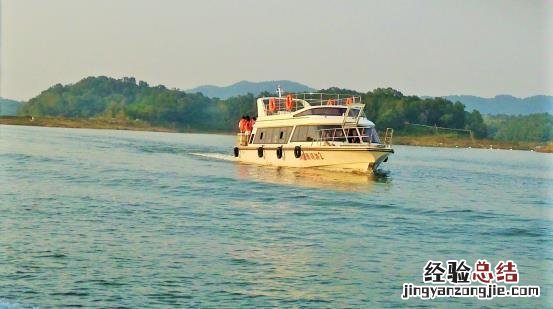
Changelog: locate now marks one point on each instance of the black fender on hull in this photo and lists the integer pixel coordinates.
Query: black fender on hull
(297, 151)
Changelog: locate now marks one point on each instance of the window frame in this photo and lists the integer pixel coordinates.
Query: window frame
(310, 132)
(271, 135)
(311, 111)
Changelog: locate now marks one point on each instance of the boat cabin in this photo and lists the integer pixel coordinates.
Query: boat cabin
(326, 119)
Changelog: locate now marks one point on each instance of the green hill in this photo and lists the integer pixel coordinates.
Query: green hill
(126, 99)
(534, 127)
(8, 107)
(506, 104)
(245, 87)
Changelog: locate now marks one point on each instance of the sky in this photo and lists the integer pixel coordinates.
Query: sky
(435, 48)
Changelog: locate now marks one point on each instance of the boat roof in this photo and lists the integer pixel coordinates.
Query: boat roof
(291, 103)
(295, 109)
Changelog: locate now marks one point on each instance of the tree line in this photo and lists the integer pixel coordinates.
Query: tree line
(126, 98)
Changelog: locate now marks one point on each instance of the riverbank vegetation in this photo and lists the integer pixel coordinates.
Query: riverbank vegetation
(125, 103)
(88, 123)
(431, 139)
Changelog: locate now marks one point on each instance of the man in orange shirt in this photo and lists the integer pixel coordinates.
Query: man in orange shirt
(248, 125)
(242, 124)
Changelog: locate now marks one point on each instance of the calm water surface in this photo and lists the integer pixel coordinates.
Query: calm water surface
(140, 219)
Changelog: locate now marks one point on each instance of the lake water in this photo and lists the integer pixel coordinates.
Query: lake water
(141, 219)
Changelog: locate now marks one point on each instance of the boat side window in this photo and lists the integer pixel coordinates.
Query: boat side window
(284, 134)
(325, 111)
(267, 137)
(278, 135)
(260, 136)
(312, 133)
(274, 135)
(299, 134)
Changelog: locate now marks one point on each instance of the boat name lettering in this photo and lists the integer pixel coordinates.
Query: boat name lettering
(311, 156)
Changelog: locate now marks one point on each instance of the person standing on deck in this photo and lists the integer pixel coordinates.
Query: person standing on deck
(242, 124)
(248, 127)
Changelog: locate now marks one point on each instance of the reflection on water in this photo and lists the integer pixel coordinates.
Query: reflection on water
(309, 177)
(303, 177)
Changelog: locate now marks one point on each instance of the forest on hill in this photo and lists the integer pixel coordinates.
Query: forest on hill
(125, 98)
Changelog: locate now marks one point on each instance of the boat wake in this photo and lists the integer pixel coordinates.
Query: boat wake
(216, 156)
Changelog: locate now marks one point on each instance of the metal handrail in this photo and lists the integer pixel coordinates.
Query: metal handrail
(280, 105)
(319, 98)
(355, 138)
(311, 98)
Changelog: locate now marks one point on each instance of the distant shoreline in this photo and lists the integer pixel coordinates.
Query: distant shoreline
(124, 124)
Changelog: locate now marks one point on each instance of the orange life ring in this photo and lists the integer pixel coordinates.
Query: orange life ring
(289, 102)
(330, 102)
(272, 105)
(349, 101)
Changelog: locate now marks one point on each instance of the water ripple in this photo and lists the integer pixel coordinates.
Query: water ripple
(98, 218)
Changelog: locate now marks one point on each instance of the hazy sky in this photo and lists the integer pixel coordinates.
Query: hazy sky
(419, 47)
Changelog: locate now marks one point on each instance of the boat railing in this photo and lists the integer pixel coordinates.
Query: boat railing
(318, 98)
(280, 107)
(242, 139)
(349, 135)
(277, 105)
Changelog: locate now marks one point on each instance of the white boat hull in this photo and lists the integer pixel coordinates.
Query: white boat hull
(360, 159)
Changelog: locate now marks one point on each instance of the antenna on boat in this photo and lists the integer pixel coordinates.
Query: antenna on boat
(279, 91)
